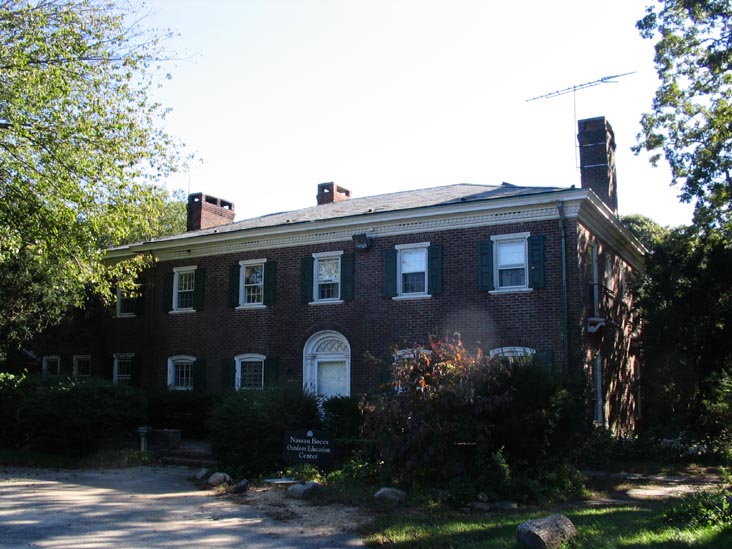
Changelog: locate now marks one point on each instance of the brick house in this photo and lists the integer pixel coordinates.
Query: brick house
(306, 295)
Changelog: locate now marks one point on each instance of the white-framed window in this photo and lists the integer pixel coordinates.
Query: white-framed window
(180, 372)
(51, 365)
(82, 365)
(327, 277)
(249, 371)
(126, 305)
(412, 261)
(512, 353)
(510, 261)
(122, 368)
(251, 286)
(184, 285)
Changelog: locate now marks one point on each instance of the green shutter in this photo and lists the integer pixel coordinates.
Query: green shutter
(390, 272)
(228, 374)
(347, 273)
(271, 372)
(434, 269)
(270, 282)
(234, 282)
(198, 289)
(199, 376)
(136, 372)
(536, 261)
(545, 359)
(167, 303)
(306, 279)
(485, 265)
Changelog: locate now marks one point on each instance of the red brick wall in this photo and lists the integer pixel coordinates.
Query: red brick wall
(371, 322)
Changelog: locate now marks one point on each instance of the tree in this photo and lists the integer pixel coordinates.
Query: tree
(81, 154)
(691, 116)
(686, 301)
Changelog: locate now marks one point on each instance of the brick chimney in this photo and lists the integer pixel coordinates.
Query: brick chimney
(205, 212)
(597, 159)
(330, 192)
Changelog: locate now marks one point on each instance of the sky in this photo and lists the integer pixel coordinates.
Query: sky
(273, 97)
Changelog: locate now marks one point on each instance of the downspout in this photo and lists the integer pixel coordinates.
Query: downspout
(565, 295)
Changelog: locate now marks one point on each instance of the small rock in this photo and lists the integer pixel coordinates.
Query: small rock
(202, 474)
(505, 506)
(218, 478)
(391, 494)
(302, 490)
(482, 496)
(241, 487)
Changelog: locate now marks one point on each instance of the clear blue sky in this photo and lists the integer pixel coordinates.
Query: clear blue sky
(276, 96)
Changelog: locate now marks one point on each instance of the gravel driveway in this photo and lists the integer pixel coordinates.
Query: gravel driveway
(137, 507)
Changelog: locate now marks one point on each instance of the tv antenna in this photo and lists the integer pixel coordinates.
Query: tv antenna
(604, 80)
(574, 89)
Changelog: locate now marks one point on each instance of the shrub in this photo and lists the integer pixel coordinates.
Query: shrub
(11, 394)
(701, 509)
(185, 410)
(450, 413)
(342, 417)
(248, 427)
(715, 417)
(75, 417)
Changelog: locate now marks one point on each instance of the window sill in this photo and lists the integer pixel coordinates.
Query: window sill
(511, 291)
(250, 307)
(181, 311)
(411, 297)
(329, 302)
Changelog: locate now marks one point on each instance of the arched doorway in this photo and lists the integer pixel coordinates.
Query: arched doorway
(327, 364)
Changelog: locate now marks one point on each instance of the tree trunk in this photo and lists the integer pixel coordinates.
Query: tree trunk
(546, 533)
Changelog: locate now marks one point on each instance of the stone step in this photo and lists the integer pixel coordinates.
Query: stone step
(187, 460)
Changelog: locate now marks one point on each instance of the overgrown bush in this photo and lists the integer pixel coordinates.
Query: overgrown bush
(701, 509)
(248, 427)
(66, 416)
(11, 394)
(185, 410)
(715, 417)
(453, 414)
(342, 418)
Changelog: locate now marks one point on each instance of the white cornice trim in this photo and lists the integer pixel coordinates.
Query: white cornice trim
(600, 220)
(492, 212)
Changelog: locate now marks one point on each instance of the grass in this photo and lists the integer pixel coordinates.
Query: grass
(598, 528)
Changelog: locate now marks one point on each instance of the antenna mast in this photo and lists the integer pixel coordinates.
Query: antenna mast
(573, 89)
(603, 80)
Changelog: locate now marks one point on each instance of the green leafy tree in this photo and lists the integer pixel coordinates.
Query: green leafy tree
(687, 309)
(691, 116)
(81, 154)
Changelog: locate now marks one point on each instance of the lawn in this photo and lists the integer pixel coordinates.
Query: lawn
(598, 528)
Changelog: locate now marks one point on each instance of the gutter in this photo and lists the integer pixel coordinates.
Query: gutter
(565, 295)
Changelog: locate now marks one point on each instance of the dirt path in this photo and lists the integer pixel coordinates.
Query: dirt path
(634, 488)
(143, 507)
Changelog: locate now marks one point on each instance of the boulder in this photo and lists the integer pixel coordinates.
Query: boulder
(302, 490)
(546, 533)
(218, 478)
(203, 474)
(241, 487)
(391, 494)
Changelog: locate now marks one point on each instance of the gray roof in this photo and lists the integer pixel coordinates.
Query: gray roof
(391, 202)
